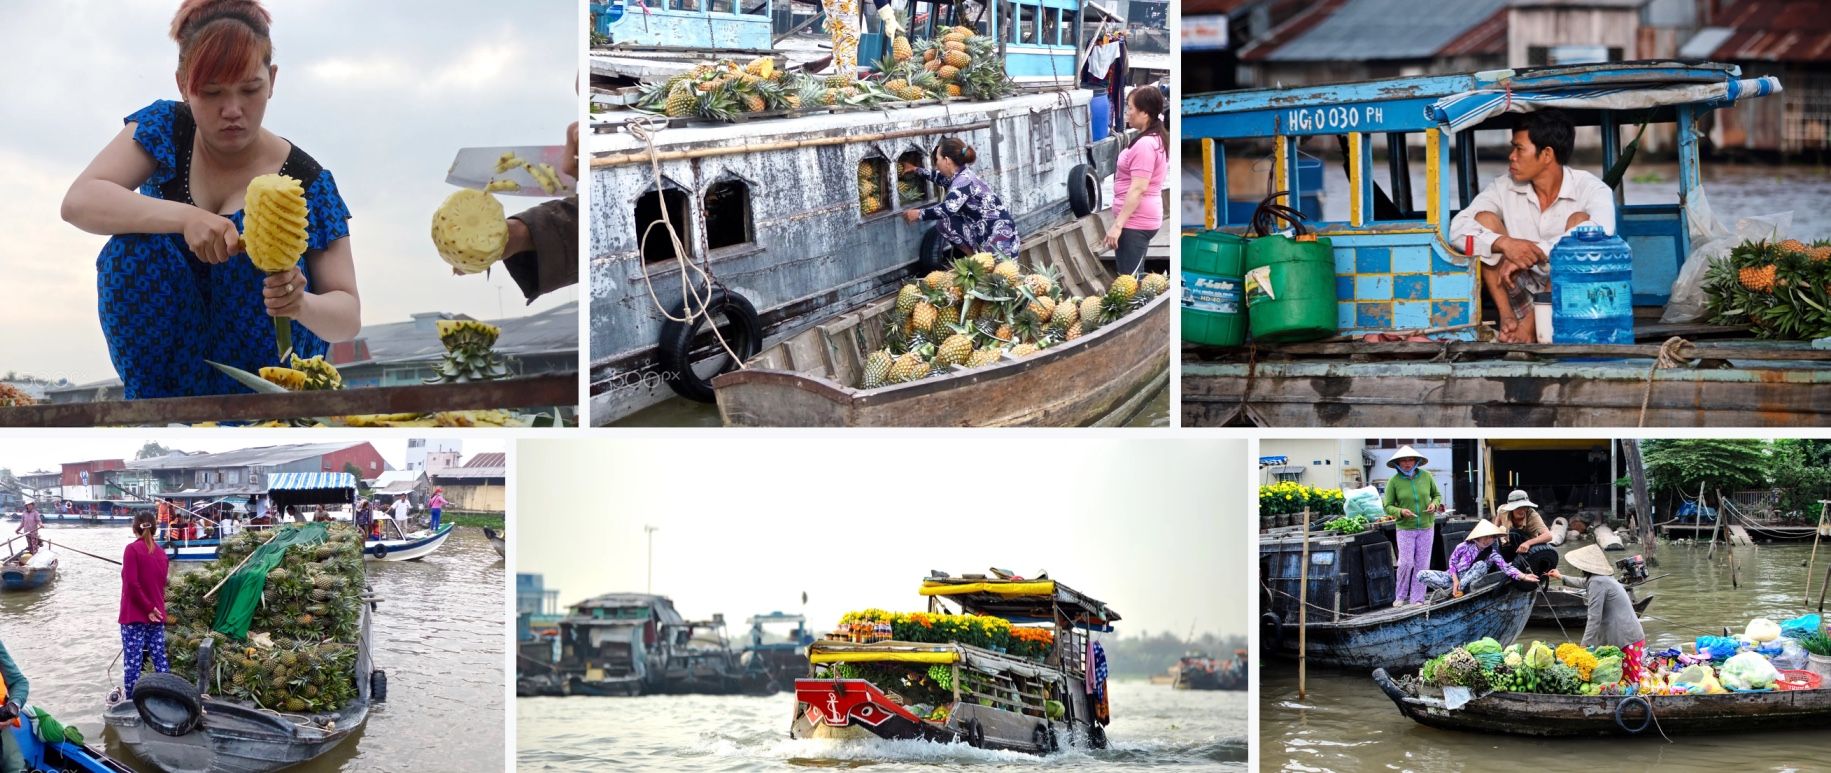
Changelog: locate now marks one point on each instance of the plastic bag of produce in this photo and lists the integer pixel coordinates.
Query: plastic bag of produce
(1749, 671)
(1762, 629)
(1719, 647)
(1799, 627)
(1712, 242)
(1364, 502)
(1607, 670)
(1483, 646)
(1693, 678)
(1540, 656)
(1792, 657)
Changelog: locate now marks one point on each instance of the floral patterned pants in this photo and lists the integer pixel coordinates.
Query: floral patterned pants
(138, 642)
(842, 23)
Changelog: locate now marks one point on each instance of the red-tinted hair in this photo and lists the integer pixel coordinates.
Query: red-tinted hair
(217, 38)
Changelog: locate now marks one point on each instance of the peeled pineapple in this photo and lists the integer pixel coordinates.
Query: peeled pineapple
(273, 222)
(470, 230)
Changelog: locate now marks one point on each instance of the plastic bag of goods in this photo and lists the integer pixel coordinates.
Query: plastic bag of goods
(1607, 670)
(1792, 657)
(42, 559)
(1749, 671)
(1800, 627)
(1762, 629)
(1719, 647)
(1364, 502)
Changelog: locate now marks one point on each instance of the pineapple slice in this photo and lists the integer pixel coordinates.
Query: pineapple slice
(470, 230)
(502, 185)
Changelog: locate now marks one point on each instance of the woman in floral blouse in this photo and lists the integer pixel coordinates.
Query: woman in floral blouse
(972, 217)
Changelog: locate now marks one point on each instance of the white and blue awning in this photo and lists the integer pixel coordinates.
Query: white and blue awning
(1459, 112)
(310, 481)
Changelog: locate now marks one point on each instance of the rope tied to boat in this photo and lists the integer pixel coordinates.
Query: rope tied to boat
(645, 128)
(1671, 355)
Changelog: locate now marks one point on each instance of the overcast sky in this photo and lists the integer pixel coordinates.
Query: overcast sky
(1155, 528)
(23, 456)
(381, 94)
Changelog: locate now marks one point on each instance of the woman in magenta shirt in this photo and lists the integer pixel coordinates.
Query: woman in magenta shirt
(143, 570)
(1138, 182)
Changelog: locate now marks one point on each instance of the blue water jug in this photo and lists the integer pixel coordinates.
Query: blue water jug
(1100, 115)
(1592, 293)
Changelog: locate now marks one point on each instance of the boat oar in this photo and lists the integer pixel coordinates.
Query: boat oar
(79, 552)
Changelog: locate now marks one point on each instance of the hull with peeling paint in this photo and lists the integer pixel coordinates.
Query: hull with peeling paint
(812, 254)
(1099, 378)
(1401, 637)
(1452, 385)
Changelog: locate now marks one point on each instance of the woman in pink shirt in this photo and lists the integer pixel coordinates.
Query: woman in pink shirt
(143, 570)
(1138, 182)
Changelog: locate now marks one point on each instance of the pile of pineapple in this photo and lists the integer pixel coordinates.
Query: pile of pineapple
(987, 309)
(1781, 289)
(722, 91)
(300, 655)
(871, 188)
(960, 63)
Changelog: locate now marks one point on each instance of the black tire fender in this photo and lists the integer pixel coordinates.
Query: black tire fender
(675, 348)
(934, 253)
(1044, 738)
(378, 686)
(168, 703)
(975, 734)
(381, 549)
(1096, 736)
(1645, 719)
(1083, 190)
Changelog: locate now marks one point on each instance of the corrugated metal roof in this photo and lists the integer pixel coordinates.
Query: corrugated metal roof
(1775, 31)
(488, 460)
(1292, 27)
(470, 473)
(553, 330)
(310, 481)
(1704, 43)
(1486, 38)
(1362, 30)
(264, 456)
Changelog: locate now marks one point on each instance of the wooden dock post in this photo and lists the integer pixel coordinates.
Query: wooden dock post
(1303, 610)
(1643, 505)
(1816, 534)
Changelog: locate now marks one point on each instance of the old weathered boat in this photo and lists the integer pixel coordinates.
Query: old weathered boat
(498, 541)
(809, 379)
(989, 699)
(1200, 672)
(627, 644)
(232, 736)
(777, 648)
(1398, 277)
(25, 570)
(768, 211)
(1568, 606)
(1534, 714)
(1396, 637)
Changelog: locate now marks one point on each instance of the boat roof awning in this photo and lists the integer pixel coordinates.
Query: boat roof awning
(1021, 600)
(1459, 112)
(311, 488)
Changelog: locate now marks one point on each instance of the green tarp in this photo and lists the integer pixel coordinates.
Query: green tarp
(241, 595)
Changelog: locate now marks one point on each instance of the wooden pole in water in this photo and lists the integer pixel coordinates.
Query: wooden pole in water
(1303, 610)
(1729, 545)
(1643, 504)
(1715, 528)
(1817, 532)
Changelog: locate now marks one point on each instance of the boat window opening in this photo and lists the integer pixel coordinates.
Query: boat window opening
(1241, 176)
(912, 189)
(722, 6)
(728, 221)
(683, 5)
(1026, 24)
(873, 186)
(755, 8)
(1394, 177)
(655, 242)
(1052, 26)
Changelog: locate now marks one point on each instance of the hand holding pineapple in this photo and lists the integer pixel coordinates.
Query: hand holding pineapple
(274, 216)
(284, 293)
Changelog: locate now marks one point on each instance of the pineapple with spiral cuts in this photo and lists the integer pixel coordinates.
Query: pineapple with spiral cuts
(274, 218)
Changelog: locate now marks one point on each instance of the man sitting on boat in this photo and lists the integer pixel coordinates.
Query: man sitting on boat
(13, 687)
(1471, 561)
(1526, 531)
(1612, 619)
(1515, 222)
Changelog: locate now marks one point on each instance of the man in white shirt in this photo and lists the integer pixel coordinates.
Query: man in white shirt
(1515, 222)
(400, 510)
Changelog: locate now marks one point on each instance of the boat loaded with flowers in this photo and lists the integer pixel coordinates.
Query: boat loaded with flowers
(1015, 668)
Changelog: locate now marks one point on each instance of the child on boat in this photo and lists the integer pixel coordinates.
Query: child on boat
(1471, 561)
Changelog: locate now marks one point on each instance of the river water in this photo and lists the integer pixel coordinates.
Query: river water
(438, 631)
(680, 412)
(1347, 724)
(1153, 726)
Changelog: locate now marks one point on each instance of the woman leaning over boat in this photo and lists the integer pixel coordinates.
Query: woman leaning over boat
(143, 573)
(1411, 498)
(171, 292)
(1138, 181)
(971, 216)
(1612, 619)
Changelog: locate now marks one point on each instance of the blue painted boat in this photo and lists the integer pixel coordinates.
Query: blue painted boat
(63, 756)
(395, 546)
(1396, 272)
(17, 574)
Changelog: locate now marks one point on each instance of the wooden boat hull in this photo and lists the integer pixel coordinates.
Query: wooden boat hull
(1585, 715)
(21, 578)
(411, 548)
(1099, 378)
(1378, 389)
(1404, 637)
(856, 709)
(1568, 607)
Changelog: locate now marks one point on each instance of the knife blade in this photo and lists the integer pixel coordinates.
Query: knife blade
(515, 171)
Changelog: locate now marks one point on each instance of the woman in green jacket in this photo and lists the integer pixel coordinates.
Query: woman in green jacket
(1411, 498)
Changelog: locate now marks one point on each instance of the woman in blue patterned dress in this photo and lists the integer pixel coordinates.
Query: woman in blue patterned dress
(173, 288)
(971, 216)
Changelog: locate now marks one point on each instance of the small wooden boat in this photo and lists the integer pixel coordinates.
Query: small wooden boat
(25, 571)
(394, 544)
(236, 736)
(497, 541)
(1568, 606)
(1402, 637)
(1200, 672)
(1603, 715)
(62, 756)
(806, 380)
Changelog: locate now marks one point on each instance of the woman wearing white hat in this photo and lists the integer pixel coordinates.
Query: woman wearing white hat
(1612, 619)
(1411, 498)
(1525, 531)
(1471, 561)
